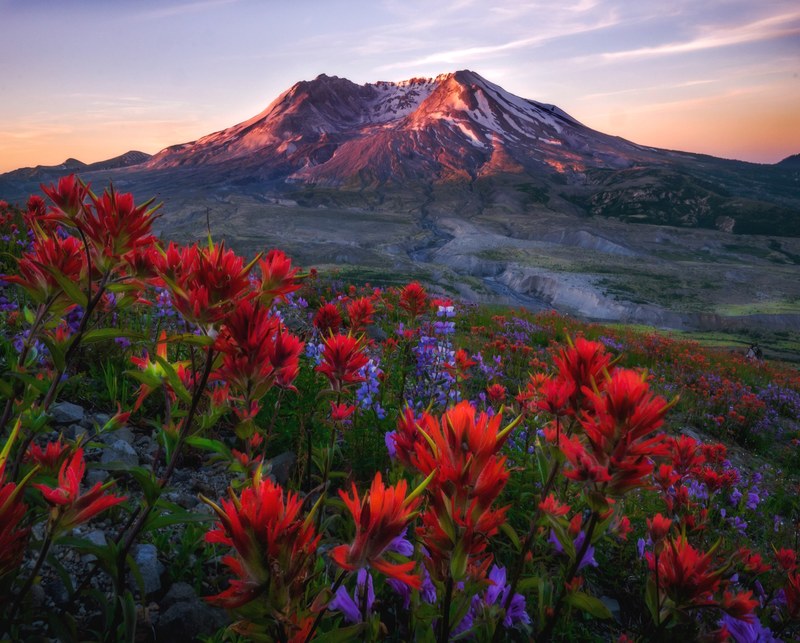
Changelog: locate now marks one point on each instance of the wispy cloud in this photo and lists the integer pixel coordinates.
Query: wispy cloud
(184, 8)
(770, 28)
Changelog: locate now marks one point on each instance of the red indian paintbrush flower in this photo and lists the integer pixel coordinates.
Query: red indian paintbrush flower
(69, 507)
(685, 575)
(278, 278)
(461, 452)
(328, 319)
(380, 516)
(342, 358)
(13, 537)
(50, 256)
(115, 226)
(359, 313)
(582, 363)
(274, 545)
(256, 351)
(414, 300)
(68, 197)
(617, 429)
(49, 459)
(204, 282)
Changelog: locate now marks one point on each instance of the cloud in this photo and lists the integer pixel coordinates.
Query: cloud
(181, 9)
(770, 28)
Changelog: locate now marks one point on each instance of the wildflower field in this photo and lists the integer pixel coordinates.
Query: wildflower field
(314, 460)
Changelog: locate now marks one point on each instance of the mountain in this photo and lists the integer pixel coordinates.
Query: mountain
(49, 172)
(330, 141)
(456, 181)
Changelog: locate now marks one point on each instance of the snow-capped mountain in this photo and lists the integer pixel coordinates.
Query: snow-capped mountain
(458, 125)
(456, 141)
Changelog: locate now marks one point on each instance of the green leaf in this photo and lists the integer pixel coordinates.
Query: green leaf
(104, 334)
(56, 352)
(341, 634)
(70, 288)
(174, 381)
(588, 604)
(6, 390)
(207, 444)
(39, 385)
(528, 583)
(508, 530)
(191, 338)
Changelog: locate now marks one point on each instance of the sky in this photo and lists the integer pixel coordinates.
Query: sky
(92, 79)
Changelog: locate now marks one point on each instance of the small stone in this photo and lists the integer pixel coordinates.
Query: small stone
(96, 537)
(66, 413)
(280, 467)
(613, 606)
(189, 620)
(122, 452)
(179, 592)
(123, 433)
(56, 591)
(150, 568)
(76, 431)
(94, 476)
(376, 333)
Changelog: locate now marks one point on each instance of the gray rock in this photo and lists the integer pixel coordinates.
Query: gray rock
(280, 467)
(77, 431)
(93, 476)
(613, 606)
(123, 433)
(66, 413)
(189, 620)
(120, 451)
(146, 558)
(96, 537)
(179, 592)
(376, 333)
(56, 591)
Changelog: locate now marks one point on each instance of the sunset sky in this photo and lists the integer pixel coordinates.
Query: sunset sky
(92, 79)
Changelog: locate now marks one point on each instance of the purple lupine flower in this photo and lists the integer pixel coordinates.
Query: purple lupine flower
(588, 556)
(391, 447)
(738, 524)
(349, 606)
(640, 547)
(752, 499)
(736, 496)
(744, 632)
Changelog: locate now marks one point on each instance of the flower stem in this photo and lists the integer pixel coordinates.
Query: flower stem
(336, 585)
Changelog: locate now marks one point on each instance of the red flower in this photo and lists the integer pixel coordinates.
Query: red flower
(70, 507)
(13, 537)
(342, 359)
(461, 452)
(684, 574)
(618, 430)
(205, 283)
(360, 312)
(340, 412)
(68, 197)
(48, 458)
(582, 364)
(463, 363)
(278, 278)
(658, 527)
(274, 546)
(256, 352)
(553, 507)
(787, 559)
(380, 517)
(739, 605)
(50, 256)
(497, 393)
(328, 319)
(115, 226)
(413, 299)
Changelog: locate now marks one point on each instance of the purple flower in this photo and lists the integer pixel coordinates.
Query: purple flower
(588, 556)
(752, 500)
(391, 447)
(640, 547)
(349, 606)
(744, 632)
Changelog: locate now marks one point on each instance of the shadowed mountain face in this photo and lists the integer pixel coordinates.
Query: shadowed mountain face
(454, 180)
